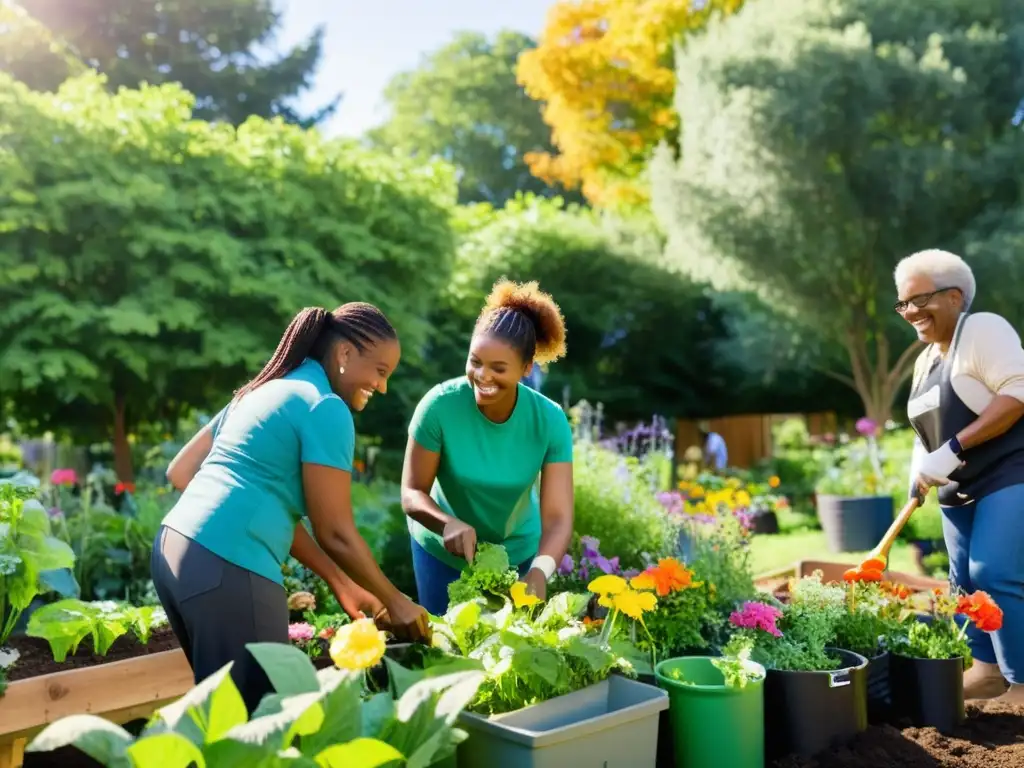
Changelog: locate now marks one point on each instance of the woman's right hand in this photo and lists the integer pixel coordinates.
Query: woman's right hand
(460, 539)
(408, 621)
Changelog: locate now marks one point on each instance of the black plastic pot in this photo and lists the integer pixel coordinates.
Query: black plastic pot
(927, 692)
(854, 524)
(764, 523)
(807, 712)
(879, 696)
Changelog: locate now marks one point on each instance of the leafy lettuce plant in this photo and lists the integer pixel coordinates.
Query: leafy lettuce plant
(66, 623)
(529, 655)
(29, 554)
(489, 576)
(314, 719)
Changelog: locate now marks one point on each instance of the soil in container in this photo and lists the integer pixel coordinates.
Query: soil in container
(37, 658)
(991, 737)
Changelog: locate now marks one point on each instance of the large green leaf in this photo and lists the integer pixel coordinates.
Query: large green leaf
(359, 753)
(426, 713)
(401, 679)
(62, 581)
(281, 719)
(289, 669)
(103, 741)
(378, 714)
(341, 707)
(165, 750)
(206, 713)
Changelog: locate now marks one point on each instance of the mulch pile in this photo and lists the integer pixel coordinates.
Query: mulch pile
(992, 737)
(37, 658)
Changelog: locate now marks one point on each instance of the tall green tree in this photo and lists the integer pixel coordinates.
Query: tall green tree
(463, 104)
(149, 262)
(216, 49)
(826, 139)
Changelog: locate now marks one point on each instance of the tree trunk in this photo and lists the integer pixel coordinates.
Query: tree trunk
(874, 379)
(122, 449)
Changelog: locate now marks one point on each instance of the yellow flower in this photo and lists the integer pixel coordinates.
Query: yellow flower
(358, 645)
(519, 597)
(643, 581)
(607, 585)
(743, 498)
(634, 604)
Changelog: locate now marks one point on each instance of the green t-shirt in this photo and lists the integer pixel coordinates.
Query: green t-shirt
(487, 476)
(245, 500)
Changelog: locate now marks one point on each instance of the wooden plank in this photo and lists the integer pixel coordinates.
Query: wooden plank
(116, 688)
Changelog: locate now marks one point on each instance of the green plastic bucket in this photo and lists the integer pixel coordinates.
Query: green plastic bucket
(713, 726)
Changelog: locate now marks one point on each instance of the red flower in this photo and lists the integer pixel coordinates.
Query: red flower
(980, 608)
(124, 487)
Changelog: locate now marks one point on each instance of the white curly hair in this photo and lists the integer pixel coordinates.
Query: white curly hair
(945, 269)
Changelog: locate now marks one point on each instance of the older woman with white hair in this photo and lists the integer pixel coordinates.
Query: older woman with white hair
(966, 404)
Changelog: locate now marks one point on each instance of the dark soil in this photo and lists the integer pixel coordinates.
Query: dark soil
(37, 659)
(992, 737)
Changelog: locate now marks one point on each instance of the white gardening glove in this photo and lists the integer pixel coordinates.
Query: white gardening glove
(934, 468)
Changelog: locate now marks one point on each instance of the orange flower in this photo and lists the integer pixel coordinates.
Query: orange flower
(668, 576)
(899, 591)
(589, 622)
(873, 564)
(774, 482)
(853, 575)
(980, 608)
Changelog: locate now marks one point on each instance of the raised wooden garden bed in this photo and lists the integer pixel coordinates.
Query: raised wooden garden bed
(129, 683)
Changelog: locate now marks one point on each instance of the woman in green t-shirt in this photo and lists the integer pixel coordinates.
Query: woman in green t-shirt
(477, 445)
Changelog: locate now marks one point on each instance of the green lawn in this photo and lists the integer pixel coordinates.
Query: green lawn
(777, 551)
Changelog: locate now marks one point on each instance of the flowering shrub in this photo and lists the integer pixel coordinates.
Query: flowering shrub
(943, 637)
(573, 574)
(615, 503)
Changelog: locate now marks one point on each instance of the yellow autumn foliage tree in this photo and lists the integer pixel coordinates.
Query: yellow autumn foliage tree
(603, 69)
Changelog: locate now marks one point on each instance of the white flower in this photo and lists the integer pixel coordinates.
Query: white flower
(7, 657)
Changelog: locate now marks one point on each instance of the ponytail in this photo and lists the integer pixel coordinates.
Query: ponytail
(311, 332)
(297, 342)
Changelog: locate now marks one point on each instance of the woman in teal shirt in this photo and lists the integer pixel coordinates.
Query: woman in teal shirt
(280, 451)
(477, 445)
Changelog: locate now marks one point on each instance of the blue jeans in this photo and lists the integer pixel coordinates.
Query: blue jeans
(985, 540)
(434, 576)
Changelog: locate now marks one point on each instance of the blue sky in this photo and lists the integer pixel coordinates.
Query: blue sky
(365, 48)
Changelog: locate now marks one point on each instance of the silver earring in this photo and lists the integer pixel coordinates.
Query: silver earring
(341, 369)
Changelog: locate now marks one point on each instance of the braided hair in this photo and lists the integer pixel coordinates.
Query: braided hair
(526, 318)
(312, 332)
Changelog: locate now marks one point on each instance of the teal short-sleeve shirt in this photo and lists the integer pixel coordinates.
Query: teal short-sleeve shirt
(487, 475)
(245, 500)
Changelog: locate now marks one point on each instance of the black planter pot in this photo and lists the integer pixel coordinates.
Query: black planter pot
(879, 695)
(927, 692)
(807, 712)
(764, 523)
(854, 524)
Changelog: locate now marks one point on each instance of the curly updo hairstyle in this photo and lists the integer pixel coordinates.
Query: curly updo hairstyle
(526, 318)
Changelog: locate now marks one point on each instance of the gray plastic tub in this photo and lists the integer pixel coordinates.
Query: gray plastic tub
(613, 724)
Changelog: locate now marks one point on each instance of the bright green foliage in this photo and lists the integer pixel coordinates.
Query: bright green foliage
(221, 50)
(826, 139)
(66, 623)
(489, 576)
(463, 104)
(313, 720)
(150, 262)
(27, 552)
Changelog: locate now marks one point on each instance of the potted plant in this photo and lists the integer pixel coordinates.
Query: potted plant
(716, 708)
(549, 696)
(927, 659)
(854, 498)
(814, 694)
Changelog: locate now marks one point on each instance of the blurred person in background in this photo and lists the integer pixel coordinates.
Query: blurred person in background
(716, 455)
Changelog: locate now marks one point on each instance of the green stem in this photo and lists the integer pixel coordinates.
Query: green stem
(609, 624)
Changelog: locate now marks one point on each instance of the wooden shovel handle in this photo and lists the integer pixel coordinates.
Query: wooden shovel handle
(882, 550)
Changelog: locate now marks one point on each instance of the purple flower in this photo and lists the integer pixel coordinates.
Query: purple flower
(630, 573)
(590, 547)
(866, 426)
(584, 573)
(567, 566)
(604, 564)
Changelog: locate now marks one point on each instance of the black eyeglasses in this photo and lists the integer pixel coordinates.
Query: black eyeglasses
(919, 301)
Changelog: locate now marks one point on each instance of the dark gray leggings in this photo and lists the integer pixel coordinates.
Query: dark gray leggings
(215, 608)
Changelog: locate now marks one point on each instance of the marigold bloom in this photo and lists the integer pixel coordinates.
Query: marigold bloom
(981, 609)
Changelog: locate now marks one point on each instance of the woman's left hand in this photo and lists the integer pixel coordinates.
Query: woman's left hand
(536, 583)
(925, 483)
(357, 602)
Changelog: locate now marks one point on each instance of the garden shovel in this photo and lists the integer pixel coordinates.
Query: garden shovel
(878, 559)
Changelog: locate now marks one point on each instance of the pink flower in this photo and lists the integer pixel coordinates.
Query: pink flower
(866, 426)
(64, 477)
(300, 632)
(757, 616)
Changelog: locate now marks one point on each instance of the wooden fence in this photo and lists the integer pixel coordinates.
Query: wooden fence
(748, 438)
